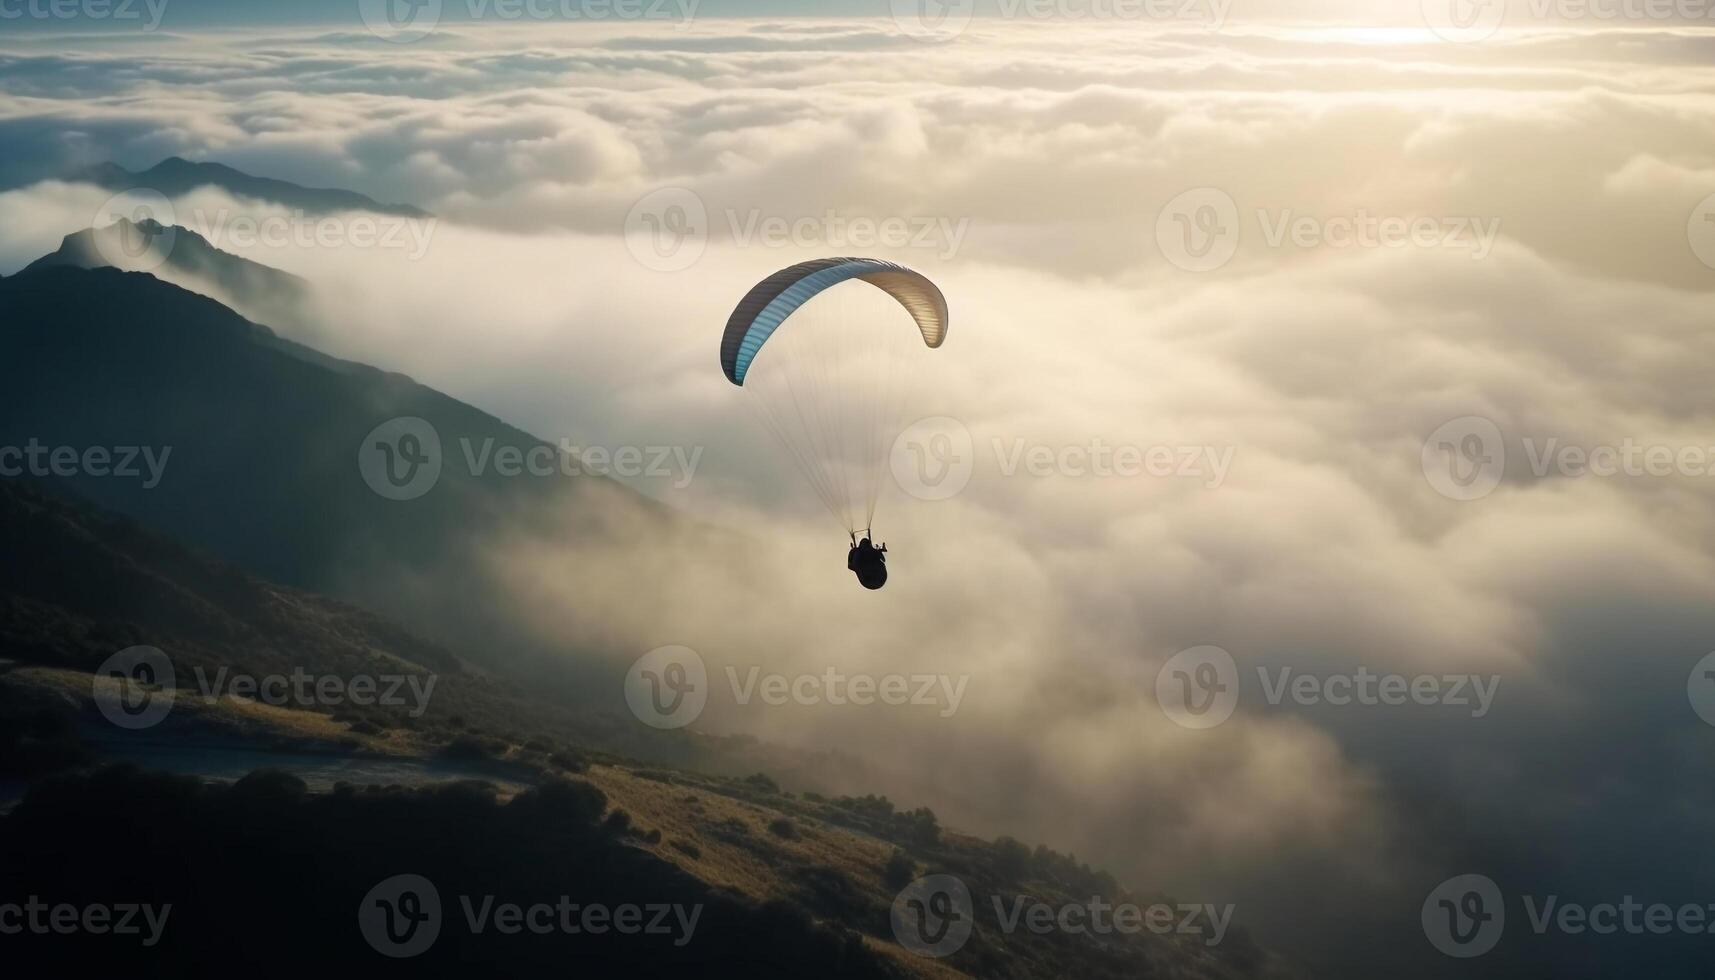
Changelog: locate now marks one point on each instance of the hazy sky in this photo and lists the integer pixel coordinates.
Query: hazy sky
(1300, 250)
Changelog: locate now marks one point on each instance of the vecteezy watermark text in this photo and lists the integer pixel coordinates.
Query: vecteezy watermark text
(834, 687)
(1098, 459)
(934, 458)
(934, 916)
(1199, 687)
(1099, 917)
(402, 459)
(148, 13)
(404, 21)
(225, 229)
(668, 687)
(1465, 458)
(1468, 21)
(669, 229)
(1364, 688)
(138, 230)
(401, 917)
(1465, 916)
(302, 689)
(671, 463)
(944, 20)
(939, 235)
(34, 458)
(137, 687)
(1201, 230)
(41, 918)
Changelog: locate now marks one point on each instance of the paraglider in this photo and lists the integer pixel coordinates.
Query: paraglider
(828, 363)
(868, 562)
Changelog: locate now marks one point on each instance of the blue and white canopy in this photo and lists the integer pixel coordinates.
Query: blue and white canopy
(776, 298)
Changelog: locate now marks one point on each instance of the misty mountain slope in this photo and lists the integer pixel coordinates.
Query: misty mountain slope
(77, 585)
(176, 176)
(107, 571)
(186, 259)
(255, 444)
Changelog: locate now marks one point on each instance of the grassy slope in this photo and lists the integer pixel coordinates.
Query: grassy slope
(77, 584)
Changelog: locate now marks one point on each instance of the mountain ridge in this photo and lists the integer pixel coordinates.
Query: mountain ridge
(189, 260)
(77, 585)
(176, 176)
(268, 444)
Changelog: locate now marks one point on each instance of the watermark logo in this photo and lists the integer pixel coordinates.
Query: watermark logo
(668, 687)
(1464, 916)
(944, 20)
(1468, 21)
(401, 917)
(1700, 689)
(667, 230)
(1198, 231)
(404, 21)
(933, 916)
(1465, 458)
(302, 689)
(1464, 21)
(933, 458)
(145, 687)
(136, 230)
(400, 459)
(137, 687)
(1199, 687)
(400, 21)
(933, 20)
(834, 687)
(1212, 13)
(1700, 231)
(225, 229)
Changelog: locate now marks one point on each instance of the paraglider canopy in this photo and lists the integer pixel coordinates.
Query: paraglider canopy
(772, 300)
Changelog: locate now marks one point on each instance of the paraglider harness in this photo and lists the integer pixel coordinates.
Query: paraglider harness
(868, 561)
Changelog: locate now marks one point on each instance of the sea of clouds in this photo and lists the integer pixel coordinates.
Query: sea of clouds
(1061, 153)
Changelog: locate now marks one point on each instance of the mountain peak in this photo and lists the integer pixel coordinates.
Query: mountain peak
(146, 227)
(185, 258)
(179, 165)
(176, 176)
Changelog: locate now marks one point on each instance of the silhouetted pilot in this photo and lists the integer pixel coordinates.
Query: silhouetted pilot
(869, 562)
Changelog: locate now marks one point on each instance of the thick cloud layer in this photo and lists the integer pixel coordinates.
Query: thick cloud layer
(1560, 289)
